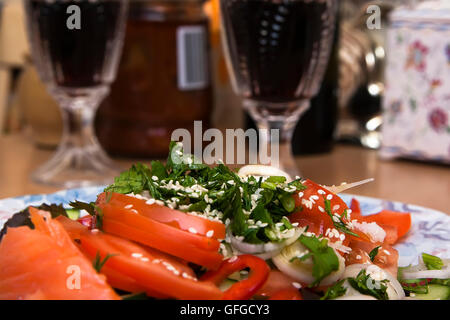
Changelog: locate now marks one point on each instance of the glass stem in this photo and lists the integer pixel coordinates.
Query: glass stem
(78, 129)
(276, 131)
(279, 146)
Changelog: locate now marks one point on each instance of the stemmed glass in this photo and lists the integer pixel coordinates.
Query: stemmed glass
(76, 46)
(277, 52)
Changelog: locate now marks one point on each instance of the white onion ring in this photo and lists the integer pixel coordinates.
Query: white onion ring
(420, 271)
(395, 290)
(305, 274)
(269, 248)
(262, 171)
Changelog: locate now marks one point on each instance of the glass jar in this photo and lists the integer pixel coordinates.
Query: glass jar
(163, 81)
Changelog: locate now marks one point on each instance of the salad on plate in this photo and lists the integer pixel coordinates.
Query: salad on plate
(184, 230)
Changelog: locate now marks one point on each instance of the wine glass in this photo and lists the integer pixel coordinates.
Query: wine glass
(277, 53)
(76, 47)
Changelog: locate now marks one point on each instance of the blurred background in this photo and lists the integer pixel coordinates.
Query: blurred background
(386, 88)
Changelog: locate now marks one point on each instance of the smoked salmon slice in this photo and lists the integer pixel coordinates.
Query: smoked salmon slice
(44, 263)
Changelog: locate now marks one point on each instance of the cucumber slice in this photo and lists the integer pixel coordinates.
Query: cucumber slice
(435, 292)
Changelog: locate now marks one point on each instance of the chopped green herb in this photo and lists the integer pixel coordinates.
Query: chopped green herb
(218, 192)
(335, 291)
(340, 224)
(80, 205)
(367, 285)
(98, 263)
(373, 253)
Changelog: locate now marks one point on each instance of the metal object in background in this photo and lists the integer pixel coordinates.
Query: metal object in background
(361, 83)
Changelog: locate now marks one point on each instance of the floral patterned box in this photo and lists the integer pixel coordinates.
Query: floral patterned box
(416, 106)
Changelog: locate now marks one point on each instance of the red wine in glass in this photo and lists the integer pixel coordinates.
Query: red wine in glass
(76, 46)
(277, 52)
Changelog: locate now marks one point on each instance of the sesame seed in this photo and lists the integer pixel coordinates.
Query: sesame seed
(210, 233)
(300, 194)
(321, 209)
(95, 230)
(233, 259)
(128, 206)
(192, 230)
(358, 257)
(145, 259)
(329, 197)
(155, 178)
(336, 207)
(134, 210)
(136, 255)
(320, 191)
(314, 197)
(387, 252)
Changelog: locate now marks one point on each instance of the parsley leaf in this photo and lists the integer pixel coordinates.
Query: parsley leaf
(432, 262)
(158, 170)
(297, 184)
(373, 253)
(324, 258)
(366, 285)
(131, 181)
(335, 291)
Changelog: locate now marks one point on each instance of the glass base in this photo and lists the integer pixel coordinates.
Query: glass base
(73, 167)
(283, 119)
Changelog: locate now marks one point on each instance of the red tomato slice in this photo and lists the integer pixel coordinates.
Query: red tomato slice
(171, 242)
(115, 278)
(157, 229)
(287, 294)
(244, 289)
(356, 208)
(163, 275)
(119, 281)
(391, 233)
(387, 257)
(399, 220)
(312, 201)
(178, 248)
(276, 282)
(163, 214)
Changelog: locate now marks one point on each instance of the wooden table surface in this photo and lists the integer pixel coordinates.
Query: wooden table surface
(412, 182)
